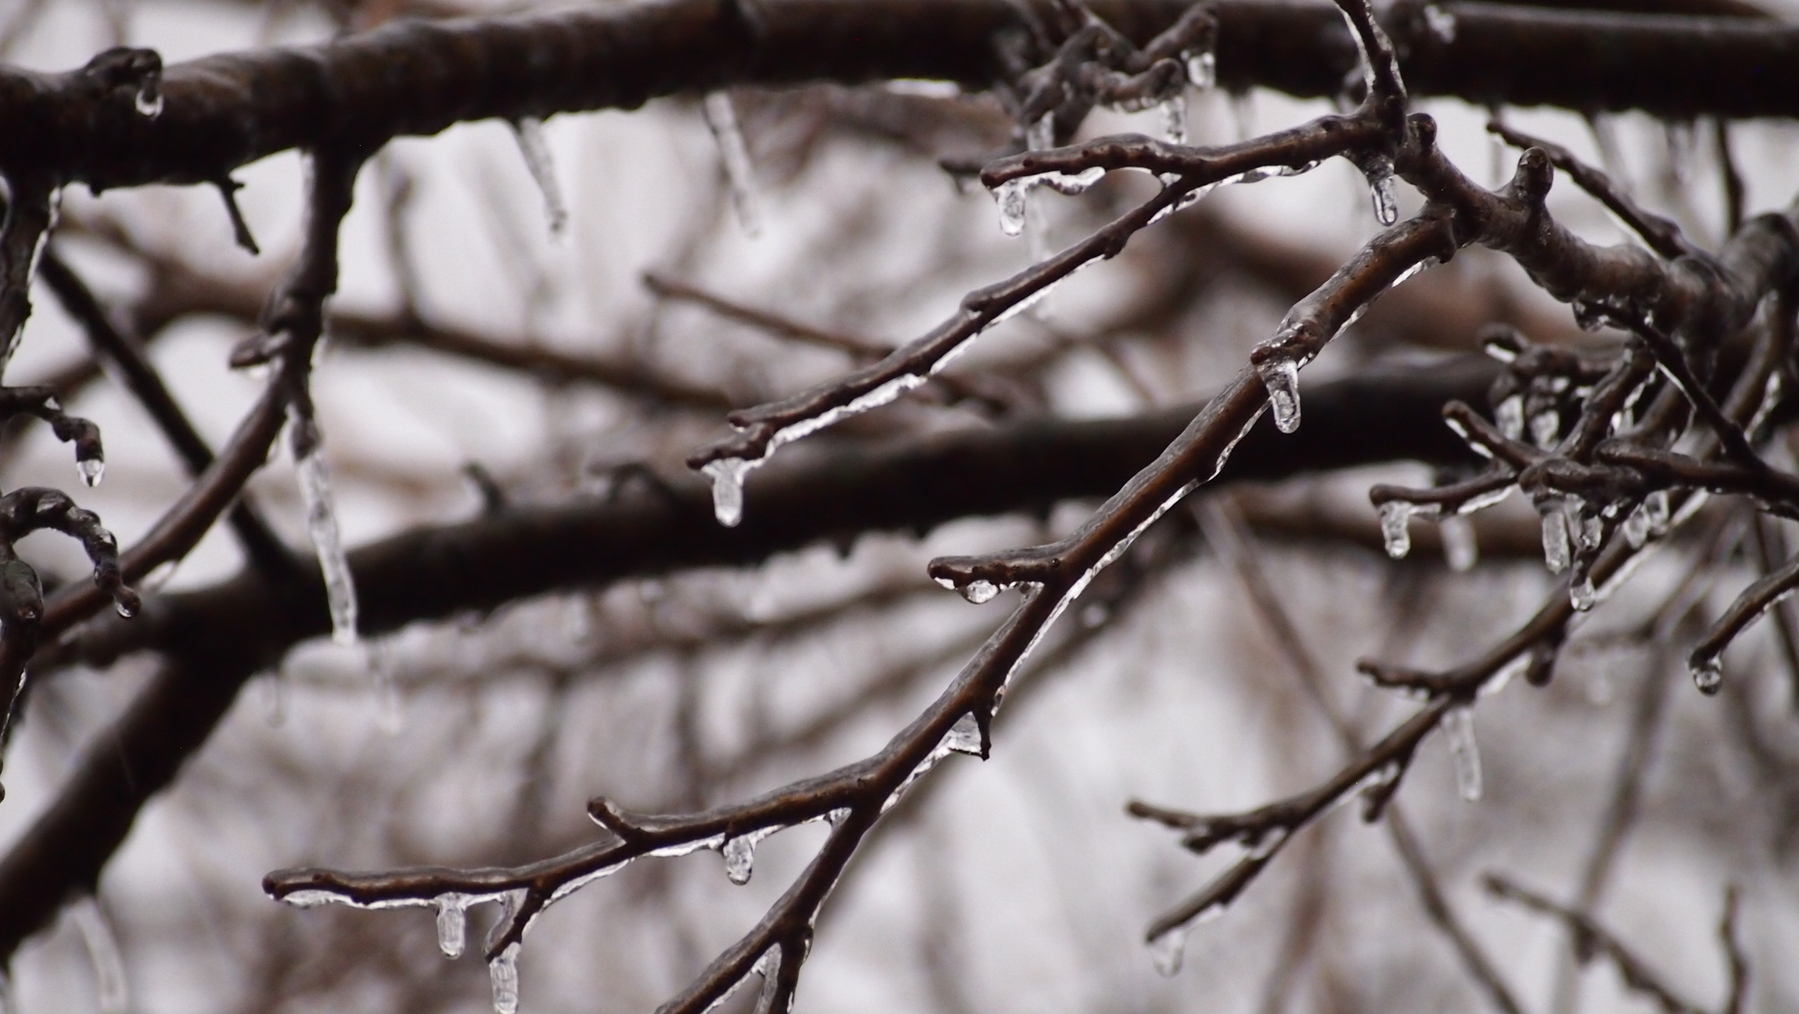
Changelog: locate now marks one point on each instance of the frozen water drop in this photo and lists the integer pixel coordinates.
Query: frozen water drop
(321, 524)
(1042, 134)
(1655, 510)
(1280, 374)
(837, 816)
(1174, 119)
(1510, 416)
(721, 119)
(1708, 674)
(502, 970)
(979, 591)
(536, 148)
(91, 469)
(1395, 515)
(1545, 427)
(727, 475)
(1441, 23)
(1386, 203)
(1011, 196)
(964, 736)
(1588, 529)
(1582, 595)
(740, 858)
(1167, 951)
(1464, 752)
(1460, 550)
(1555, 541)
(1202, 68)
(452, 924)
(149, 101)
(1636, 527)
(124, 608)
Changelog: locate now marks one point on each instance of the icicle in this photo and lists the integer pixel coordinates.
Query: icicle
(964, 736)
(91, 469)
(1380, 188)
(378, 659)
(727, 488)
(1280, 374)
(1202, 68)
(452, 924)
(1681, 137)
(503, 971)
(1588, 529)
(1042, 134)
(1167, 951)
(1441, 23)
(1460, 549)
(740, 858)
(1555, 540)
(536, 149)
(1636, 527)
(103, 951)
(768, 966)
(721, 119)
(979, 591)
(1174, 119)
(1510, 416)
(1655, 510)
(1243, 113)
(1545, 427)
(1582, 595)
(1611, 156)
(321, 524)
(1464, 752)
(1708, 674)
(1011, 196)
(1394, 517)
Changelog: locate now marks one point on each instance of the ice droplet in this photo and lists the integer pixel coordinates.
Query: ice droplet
(1460, 549)
(1174, 119)
(91, 469)
(727, 475)
(1588, 529)
(103, 950)
(1545, 427)
(536, 148)
(1167, 951)
(721, 119)
(979, 591)
(1386, 202)
(1280, 374)
(1441, 23)
(1202, 68)
(964, 736)
(740, 858)
(1464, 752)
(1395, 515)
(1555, 541)
(1636, 527)
(1510, 416)
(1011, 196)
(1655, 509)
(321, 524)
(502, 970)
(149, 101)
(452, 924)
(1708, 674)
(1582, 595)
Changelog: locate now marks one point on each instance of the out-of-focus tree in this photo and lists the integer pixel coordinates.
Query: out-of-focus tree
(470, 486)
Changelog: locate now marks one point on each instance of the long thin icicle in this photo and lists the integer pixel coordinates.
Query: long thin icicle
(721, 118)
(321, 525)
(103, 950)
(536, 149)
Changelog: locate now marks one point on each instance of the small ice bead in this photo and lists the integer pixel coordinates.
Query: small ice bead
(1708, 674)
(1582, 595)
(451, 925)
(1460, 550)
(1464, 752)
(1202, 68)
(1395, 536)
(1011, 196)
(1280, 374)
(740, 859)
(727, 488)
(149, 102)
(1555, 541)
(1386, 202)
(91, 469)
(1167, 951)
(979, 591)
(503, 971)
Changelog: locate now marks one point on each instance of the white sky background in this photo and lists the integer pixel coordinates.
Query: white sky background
(1023, 869)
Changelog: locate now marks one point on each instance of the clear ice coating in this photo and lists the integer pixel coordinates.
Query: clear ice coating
(91, 469)
(964, 736)
(1280, 374)
(1510, 417)
(1460, 549)
(452, 924)
(502, 970)
(1555, 541)
(721, 119)
(321, 524)
(726, 475)
(979, 591)
(1708, 674)
(1464, 752)
(536, 148)
(1167, 951)
(1395, 515)
(1202, 68)
(103, 950)
(740, 858)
